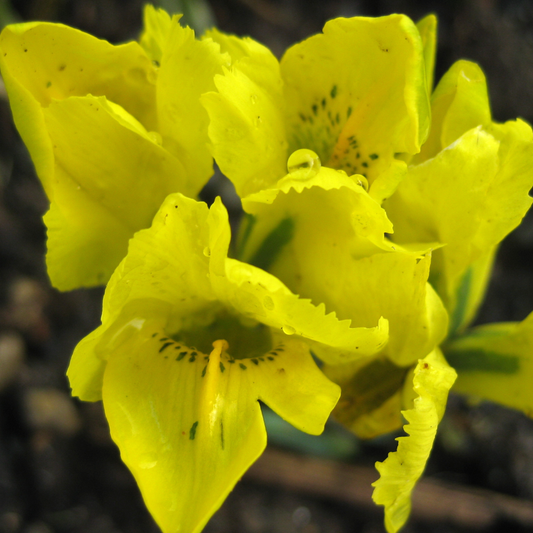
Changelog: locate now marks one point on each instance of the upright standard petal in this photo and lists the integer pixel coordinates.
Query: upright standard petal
(247, 129)
(459, 103)
(110, 177)
(469, 197)
(494, 363)
(427, 28)
(182, 120)
(157, 24)
(432, 380)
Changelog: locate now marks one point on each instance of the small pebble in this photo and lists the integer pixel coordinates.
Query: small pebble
(12, 354)
(51, 409)
(10, 522)
(27, 299)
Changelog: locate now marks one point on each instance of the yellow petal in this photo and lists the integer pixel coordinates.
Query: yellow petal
(401, 470)
(428, 33)
(52, 61)
(187, 420)
(246, 128)
(289, 382)
(459, 103)
(357, 94)
(156, 28)
(469, 197)
(494, 363)
(182, 119)
(333, 257)
(110, 177)
(187, 429)
(371, 398)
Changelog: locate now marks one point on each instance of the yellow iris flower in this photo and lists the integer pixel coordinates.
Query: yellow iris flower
(190, 341)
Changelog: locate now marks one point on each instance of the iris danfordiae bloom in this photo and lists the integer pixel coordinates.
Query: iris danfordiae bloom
(357, 200)
(190, 341)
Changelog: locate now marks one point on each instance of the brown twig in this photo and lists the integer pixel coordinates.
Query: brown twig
(432, 501)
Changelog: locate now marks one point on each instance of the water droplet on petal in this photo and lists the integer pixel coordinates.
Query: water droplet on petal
(156, 137)
(288, 330)
(207, 251)
(253, 98)
(147, 460)
(306, 161)
(268, 302)
(362, 181)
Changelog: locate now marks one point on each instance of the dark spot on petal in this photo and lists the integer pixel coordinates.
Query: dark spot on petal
(192, 431)
(166, 345)
(373, 156)
(242, 366)
(333, 92)
(222, 367)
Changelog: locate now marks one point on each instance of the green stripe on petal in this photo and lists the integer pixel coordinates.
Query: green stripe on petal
(494, 363)
(401, 470)
(371, 399)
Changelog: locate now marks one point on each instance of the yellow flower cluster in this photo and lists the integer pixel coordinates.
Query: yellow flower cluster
(373, 210)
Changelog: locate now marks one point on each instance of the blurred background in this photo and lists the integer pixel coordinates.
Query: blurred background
(59, 470)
